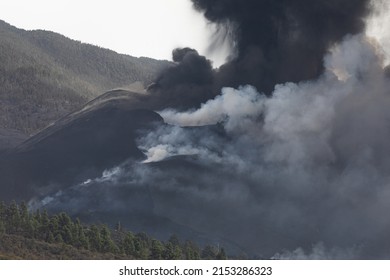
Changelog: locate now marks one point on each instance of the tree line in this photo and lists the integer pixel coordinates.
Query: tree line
(17, 220)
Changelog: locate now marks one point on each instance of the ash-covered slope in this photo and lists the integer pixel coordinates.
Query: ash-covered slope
(94, 164)
(77, 147)
(10, 138)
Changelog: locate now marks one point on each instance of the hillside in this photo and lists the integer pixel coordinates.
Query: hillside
(75, 148)
(44, 75)
(38, 235)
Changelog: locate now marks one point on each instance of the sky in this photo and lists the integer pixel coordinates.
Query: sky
(150, 28)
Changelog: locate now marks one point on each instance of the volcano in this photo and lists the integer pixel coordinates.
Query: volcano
(85, 164)
(77, 147)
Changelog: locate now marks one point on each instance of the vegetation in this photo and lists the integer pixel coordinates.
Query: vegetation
(44, 76)
(38, 235)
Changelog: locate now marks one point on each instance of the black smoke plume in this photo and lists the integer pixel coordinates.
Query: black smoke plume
(273, 41)
(187, 83)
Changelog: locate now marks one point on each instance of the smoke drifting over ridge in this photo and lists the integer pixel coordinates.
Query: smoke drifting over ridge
(272, 42)
(308, 166)
(304, 167)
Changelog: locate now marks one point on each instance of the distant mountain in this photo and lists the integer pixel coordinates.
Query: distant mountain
(44, 75)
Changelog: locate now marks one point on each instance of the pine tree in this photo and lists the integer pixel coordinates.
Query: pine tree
(156, 250)
(24, 214)
(191, 251)
(2, 227)
(141, 248)
(83, 240)
(50, 238)
(53, 225)
(58, 239)
(2, 210)
(13, 219)
(43, 222)
(94, 238)
(66, 234)
(172, 252)
(173, 249)
(107, 245)
(174, 240)
(221, 255)
(209, 252)
(128, 245)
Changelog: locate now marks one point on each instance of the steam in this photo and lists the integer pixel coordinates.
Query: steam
(318, 252)
(232, 105)
(116, 191)
(309, 165)
(377, 26)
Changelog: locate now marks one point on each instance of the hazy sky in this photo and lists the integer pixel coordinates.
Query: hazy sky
(137, 27)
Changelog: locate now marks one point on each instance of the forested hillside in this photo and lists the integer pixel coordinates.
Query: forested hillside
(38, 235)
(44, 75)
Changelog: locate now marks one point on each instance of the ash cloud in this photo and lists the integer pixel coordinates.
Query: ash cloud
(301, 174)
(279, 41)
(309, 165)
(272, 42)
(188, 82)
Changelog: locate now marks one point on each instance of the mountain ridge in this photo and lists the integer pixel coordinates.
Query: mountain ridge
(45, 75)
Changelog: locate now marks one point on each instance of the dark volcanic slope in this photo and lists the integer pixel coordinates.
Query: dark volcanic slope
(10, 138)
(77, 147)
(89, 165)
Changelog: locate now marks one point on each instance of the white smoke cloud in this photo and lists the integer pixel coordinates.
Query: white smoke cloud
(378, 24)
(317, 252)
(300, 119)
(318, 151)
(233, 106)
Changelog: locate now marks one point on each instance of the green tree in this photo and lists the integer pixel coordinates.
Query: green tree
(80, 239)
(141, 248)
(174, 239)
(67, 235)
(3, 208)
(209, 252)
(172, 251)
(128, 245)
(24, 214)
(156, 250)
(13, 219)
(59, 239)
(50, 238)
(53, 225)
(43, 221)
(94, 238)
(64, 220)
(83, 240)
(2, 228)
(191, 251)
(221, 255)
(107, 245)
